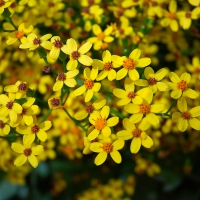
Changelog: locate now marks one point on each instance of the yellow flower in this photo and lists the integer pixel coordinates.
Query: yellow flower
(145, 108)
(65, 78)
(101, 36)
(137, 132)
(180, 86)
(34, 42)
(101, 123)
(130, 64)
(153, 79)
(105, 147)
(194, 68)
(128, 94)
(19, 34)
(9, 107)
(76, 54)
(4, 128)
(184, 116)
(89, 84)
(89, 109)
(4, 4)
(27, 153)
(54, 103)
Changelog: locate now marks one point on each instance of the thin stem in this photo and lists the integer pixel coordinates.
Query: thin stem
(163, 114)
(172, 105)
(63, 103)
(40, 101)
(117, 113)
(46, 116)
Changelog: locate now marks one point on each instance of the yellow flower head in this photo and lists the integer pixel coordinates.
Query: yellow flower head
(4, 128)
(4, 4)
(54, 103)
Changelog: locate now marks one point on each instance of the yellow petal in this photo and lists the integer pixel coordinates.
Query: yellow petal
(79, 91)
(33, 160)
(105, 112)
(37, 150)
(71, 44)
(182, 104)
(101, 157)
(182, 125)
(152, 119)
(194, 123)
(148, 142)
(19, 148)
(135, 54)
(132, 108)
(143, 62)
(85, 60)
(20, 160)
(124, 134)
(116, 156)
(195, 112)
(112, 121)
(96, 147)
(89, 95)
(85, 48)
(135, 145)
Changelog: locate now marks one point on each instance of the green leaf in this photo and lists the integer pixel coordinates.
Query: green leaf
(30, 93)
(42, 53)
(62, 56)
(6, 13)
(21, 101)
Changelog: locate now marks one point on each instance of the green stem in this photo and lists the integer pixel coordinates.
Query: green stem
(46, 116)
(11, 136)
(172, 105)
(117, 113)
(163, 114)
(63, 103)
(40, 101)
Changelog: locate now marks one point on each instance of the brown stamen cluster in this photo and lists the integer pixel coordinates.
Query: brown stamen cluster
(95, 140)
(186, 115)
(107, 147)
(75, 55)
(136, 132)
(89, 83)
(55, 102)
(152, 81)
(100, 36)
(2, 125)
(108, 66)
(58, 44)
(154, 3)
(22, 87)
(90, 2)
(50, 4)
(129, 64)
(100, 124)
(9, 105)
(131, 95)
(171, 15)
(23, 112)
(36, 41)
(187, 14)
(34, 129)
(46, 69)
(27, 152)
(19, 34)
(89, 109)
(144, 108)
(2, 3)
(182, 85)
(61, 77)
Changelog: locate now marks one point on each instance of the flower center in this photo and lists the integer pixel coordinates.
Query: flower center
(197, 70)
(34, 129)
(9, 105)
(95, 140)
(119, 13)
(23, 111)
(121, 31)
(1, 124)
(186, 115)
(89, 109)
(107, 147)
(100, 124)
(90, 2)
(129, 64)
(19, 34)
(27, 152)
(100, 36)
(152, 81)
(144, 108)
(171, 15)
(182, 85)
(131, 95)
(75, 55)
(58, 44)
(2, 3)
(55, 102)
(136, 132)
(154, 3)
(22, 87)
(50, 4)
(89, 83)
(61, 77)
(37, 41)
(46, 69)
(108, 66)
(187, 14)
(136, 39)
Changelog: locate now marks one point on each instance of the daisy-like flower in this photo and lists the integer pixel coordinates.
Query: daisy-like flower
(20, 89)
(145, 108)
(185, 117)
(4, 128)
(137, 132)
(106, 66)
(128, 94)
(65, 78)
(101, 123)
(180, 86)
(77, 55)
(87, 144)
(105, 147)
(194, 68)
(101, 36)
(27, 153)
(89, 109)
(89, 84)
(34, 42)
(153, 80)
(130, 64)
(54, 103)
(34, 129)
(9, 107)
(4, 4)
(19, 34)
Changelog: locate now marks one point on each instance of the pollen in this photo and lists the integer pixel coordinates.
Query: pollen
(152, 81)
(136, 39)
(136, 132)
(36, 41)
(55, 102)
(9, 105)
(108, 66)
(58, 44)
(89, 109)
(22, 87)
(34, 129)
(100, 124)
(19, 34)
(144, 108)
(129, 64)
(2, 125)
(27, 152)
(75, 55)
(131, 95)
(61, 77)
(182, 85)
(89, 83)
(171, 15)
(107, 147)
(186, 115)
(100, 36)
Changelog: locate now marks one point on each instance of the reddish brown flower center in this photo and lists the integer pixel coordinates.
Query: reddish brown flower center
(129, 64)
(27, 152)
(22, 87)
(34, 129)
(2, 125)
(119, 13)
(50, 4)
(89, 109)
(100, 36)
(121, 31)
(100, 124)
(131, 95)
(144, 108)
(46, 69)
(9, 105)
(61, 77)
(187, 14)
(136, 39)
(152, 81)
(89, 83)
(186, 115)
(136, 132)
(90, 2)
(182, 85)
(197, 70)
(70, 11)
(55, 102)
(95, 140)
(2, 3)
(171, 15)
(75, 55)
(107, 147)
(154, 3)
(108, 66)
(36, 41)
(23, 112)
(58, 44)
(19, 34)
